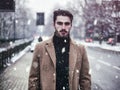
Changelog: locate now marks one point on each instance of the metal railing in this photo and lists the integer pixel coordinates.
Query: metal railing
(8, 53)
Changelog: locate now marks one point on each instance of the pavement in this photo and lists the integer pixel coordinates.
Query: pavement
(15, 77)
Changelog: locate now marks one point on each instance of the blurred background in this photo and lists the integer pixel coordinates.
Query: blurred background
(24, 23)
(93, 19)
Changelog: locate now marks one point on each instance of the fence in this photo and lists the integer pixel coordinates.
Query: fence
(8, 53)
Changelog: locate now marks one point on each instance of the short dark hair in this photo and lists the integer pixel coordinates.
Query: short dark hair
(62, 13)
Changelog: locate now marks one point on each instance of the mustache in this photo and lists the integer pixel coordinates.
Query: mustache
(63, 30)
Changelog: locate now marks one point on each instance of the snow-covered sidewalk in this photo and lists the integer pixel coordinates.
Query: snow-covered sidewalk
(104, 45)
(17, 56)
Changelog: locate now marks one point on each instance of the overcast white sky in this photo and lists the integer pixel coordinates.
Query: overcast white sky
(44, 5)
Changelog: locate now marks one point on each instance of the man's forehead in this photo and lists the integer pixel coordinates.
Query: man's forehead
(62, 18)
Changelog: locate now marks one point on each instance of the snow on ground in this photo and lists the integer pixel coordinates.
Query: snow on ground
(17, 56)
(104, 45)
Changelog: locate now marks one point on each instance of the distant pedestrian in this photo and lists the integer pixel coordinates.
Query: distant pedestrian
(40, 39)
(100, 39)
(59, 63)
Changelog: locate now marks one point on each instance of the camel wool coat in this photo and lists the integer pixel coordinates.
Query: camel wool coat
(42, 74)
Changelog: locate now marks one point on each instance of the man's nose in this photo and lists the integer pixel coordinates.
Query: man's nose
(63, 26)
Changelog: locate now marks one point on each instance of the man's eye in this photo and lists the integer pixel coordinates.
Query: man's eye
(60, 23)
(67, 23)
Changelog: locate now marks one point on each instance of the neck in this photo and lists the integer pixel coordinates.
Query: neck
(61, 40)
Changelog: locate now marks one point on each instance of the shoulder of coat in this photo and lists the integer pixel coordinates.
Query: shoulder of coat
(77, 44)
(43, 43)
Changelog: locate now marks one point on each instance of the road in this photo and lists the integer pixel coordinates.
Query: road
(104, 69)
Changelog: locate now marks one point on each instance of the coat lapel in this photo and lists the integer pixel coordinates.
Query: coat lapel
(72, 59)
(51, 51)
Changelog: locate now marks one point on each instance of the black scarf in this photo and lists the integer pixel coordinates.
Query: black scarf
(62, 62)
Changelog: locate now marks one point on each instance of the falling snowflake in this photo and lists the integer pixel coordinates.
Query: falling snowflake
(65, 40)
(53, 74)
(77, 71)
(116, 77)
(63, 88)
(90, 71)
(27, 69)
(96, 87)
(63, 49)
(46, 53)
(35, 64)
(14, 68)
(62, 61)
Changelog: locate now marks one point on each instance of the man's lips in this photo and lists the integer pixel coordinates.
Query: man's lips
(63, 31)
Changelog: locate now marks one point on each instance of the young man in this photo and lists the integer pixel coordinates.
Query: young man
(59, 63)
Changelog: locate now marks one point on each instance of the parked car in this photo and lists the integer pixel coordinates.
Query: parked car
(111, 41)
(88, 40)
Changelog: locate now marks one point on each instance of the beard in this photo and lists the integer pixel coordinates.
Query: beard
(62, 33)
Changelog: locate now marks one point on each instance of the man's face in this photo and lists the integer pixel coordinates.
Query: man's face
(62, 26)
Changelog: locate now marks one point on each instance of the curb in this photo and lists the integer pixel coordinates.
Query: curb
(105, 50)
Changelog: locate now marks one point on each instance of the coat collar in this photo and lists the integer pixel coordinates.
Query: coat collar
(51, 50)
(72, 54)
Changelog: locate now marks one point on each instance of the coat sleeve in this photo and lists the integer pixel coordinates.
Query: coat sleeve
(34, 75)
(85, 77)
